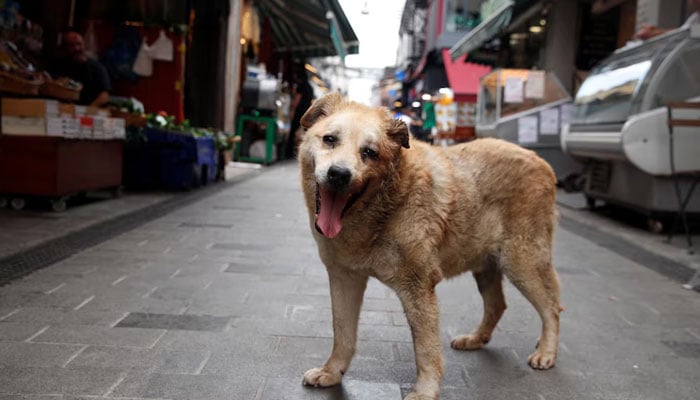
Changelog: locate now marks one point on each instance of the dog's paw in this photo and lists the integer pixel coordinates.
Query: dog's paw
(321, 377)
(416, 396)
(542, 359)
(468, 342)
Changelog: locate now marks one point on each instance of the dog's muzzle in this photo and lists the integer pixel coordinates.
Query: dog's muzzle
(333, 198)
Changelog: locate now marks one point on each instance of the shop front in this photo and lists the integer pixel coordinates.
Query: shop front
(278, 41)
(55, 143)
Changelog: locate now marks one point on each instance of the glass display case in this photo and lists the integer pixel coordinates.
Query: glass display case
(504, 93)
(527, 107)
(620, 125)
(637, 79)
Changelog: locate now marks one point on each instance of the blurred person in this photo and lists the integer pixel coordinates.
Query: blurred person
(401, 113)
(78, 66)
(429, 119)
(302, 96)
(648, 31)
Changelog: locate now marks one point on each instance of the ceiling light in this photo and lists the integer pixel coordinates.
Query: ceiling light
(310, 68)
(535, 29)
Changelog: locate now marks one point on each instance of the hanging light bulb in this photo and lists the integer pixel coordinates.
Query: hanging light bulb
(365, 9)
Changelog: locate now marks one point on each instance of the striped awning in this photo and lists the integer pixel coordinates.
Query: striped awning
(309, 28)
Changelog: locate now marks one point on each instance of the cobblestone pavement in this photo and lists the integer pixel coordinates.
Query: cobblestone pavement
(225, 298)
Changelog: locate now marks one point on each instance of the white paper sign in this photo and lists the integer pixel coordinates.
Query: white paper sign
(549, 121)
(527, 130)
(567, 112)
(514, 90)
(534, 89)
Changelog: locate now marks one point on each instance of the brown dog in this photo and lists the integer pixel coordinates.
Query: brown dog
(413, 215)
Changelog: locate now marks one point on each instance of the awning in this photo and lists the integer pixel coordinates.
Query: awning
(486, 30)
(463, 77)
(309, 28)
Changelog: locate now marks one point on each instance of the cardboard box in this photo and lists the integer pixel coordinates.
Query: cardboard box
(30, 107)
(68, 127)
(109, 128)
(99, 128)
(66, 110)
(85, 127)
(26, 126)
(117, 128)
(81, 111)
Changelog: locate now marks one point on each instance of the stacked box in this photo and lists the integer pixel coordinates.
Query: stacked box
(44, 117)
(27, 116)
(108, 128)
(90, 111)
(68, 127)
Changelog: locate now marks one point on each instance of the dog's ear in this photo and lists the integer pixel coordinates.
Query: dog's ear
(398, 132)
(320, 109)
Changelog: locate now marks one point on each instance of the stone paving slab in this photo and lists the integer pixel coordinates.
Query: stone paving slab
(289, 389)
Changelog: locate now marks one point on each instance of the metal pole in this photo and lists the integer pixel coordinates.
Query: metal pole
(71, 16)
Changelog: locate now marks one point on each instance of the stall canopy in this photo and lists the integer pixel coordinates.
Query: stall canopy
(309, 28)
(463, 77)
(487, 29)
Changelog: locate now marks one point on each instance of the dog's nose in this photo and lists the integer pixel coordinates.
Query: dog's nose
(339, 177)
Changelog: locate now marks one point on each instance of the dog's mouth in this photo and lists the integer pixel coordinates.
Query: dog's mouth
(331, 206)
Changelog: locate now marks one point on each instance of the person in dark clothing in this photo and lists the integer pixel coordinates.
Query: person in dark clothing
(303, 95)
(78, 66)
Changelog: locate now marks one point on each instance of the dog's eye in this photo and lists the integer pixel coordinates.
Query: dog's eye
(330, 140)
(369, 153)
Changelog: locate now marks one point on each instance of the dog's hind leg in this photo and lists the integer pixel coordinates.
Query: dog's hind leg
(347, 290)
(490, 283)
(534, 275)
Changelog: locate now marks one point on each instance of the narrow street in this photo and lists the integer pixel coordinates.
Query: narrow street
(226, 298)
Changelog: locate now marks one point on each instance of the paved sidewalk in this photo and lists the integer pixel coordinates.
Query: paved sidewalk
(22, 230)
(226, 298)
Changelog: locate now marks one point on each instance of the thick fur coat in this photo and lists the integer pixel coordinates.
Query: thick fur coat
(409, 214)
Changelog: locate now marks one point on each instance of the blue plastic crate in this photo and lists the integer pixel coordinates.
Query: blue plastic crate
(185, 162)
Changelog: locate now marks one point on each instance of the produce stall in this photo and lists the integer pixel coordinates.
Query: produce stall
(52, 148)
(56, 150)
(527, 107)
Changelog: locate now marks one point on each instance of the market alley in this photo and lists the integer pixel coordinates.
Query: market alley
(225, 298)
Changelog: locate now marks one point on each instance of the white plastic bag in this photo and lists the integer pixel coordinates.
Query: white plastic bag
(162, 49)
(143, 66)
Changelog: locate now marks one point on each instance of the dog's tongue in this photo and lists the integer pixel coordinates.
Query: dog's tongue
(332, 205)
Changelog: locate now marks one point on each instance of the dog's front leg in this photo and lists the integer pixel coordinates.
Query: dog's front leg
(347, 289)
(421, 308)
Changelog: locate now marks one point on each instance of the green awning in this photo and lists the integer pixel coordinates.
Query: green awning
(487, 29)
(309, 28)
